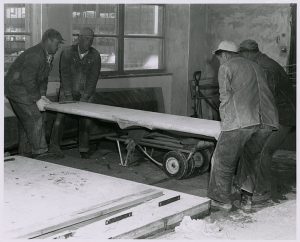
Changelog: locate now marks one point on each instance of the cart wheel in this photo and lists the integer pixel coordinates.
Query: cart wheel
(202, 161)
(175, 164)
(191, 168)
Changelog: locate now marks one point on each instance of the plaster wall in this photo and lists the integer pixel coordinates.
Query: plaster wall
(192, 31)
(177, 54)
(268, 24)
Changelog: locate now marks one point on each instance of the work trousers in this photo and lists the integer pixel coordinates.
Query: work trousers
(83, 132)
(230, 146)
(265, 181)
(31, 128)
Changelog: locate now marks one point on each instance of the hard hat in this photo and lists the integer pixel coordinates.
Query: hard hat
(226, 46)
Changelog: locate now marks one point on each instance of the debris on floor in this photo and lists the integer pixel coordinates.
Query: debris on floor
(274, 222)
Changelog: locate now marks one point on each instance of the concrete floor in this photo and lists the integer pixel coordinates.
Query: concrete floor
(105, 160)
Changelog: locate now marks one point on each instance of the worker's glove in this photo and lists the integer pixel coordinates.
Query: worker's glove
(41, 104)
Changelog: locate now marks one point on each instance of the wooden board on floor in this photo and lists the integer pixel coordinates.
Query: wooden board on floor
(130, 117)
(40, 197)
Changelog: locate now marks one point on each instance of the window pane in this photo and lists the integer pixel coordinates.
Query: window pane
(16, 21)
(143, 20)
(142, 53)
(14, 45)
(108, 51)
(107, 48)
(102, 18)
(15, 18)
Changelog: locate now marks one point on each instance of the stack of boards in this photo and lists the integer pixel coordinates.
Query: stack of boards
(45, 200)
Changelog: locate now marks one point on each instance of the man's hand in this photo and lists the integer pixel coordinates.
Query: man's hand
(42, 103)
(46, 99)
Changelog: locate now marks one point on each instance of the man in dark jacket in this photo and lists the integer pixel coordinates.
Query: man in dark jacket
(25, 87)
(80, 66)
(285, 98)
(248, 116)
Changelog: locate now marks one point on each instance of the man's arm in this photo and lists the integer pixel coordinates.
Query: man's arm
(92, 79)
(29, 76)
(224, 76)
(43, 86)
(65, 74)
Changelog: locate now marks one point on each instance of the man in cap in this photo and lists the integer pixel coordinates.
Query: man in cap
(25, 87)
(80, 66)
(285, 99)
(248, 116)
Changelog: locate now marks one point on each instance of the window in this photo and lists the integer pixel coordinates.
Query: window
(17, 37)
(129, 37)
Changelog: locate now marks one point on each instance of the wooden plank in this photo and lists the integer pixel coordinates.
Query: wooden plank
(41, 196)
(130, 117)
(147, 218)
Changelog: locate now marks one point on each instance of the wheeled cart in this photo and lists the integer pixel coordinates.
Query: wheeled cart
(183, 156)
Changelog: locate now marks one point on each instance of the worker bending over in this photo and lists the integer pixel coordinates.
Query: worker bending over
(248, 116)
(25, 86)
(79, 67)
(285, 100)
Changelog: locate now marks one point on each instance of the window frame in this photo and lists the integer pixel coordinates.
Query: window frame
(120, 36)
(28, 16)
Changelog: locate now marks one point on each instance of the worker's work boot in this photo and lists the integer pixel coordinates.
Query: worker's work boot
(261, 198)
(221, 206)
(45, 156)
(246, 202)
(85, 155)
(54, 149)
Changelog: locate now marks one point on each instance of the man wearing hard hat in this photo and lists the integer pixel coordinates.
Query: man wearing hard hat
(248, 116)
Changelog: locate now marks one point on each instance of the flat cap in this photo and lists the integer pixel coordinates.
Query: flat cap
(86, 31)
(52, 34)
(249, 45)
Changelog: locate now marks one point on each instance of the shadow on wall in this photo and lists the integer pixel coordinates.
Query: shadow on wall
(214, 65)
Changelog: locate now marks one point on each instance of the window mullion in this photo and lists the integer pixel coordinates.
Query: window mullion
(121, 24)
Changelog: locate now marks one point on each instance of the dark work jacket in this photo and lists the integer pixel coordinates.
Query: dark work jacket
(284, 93)
(27, 78)
(79, 77)
(245, 96)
